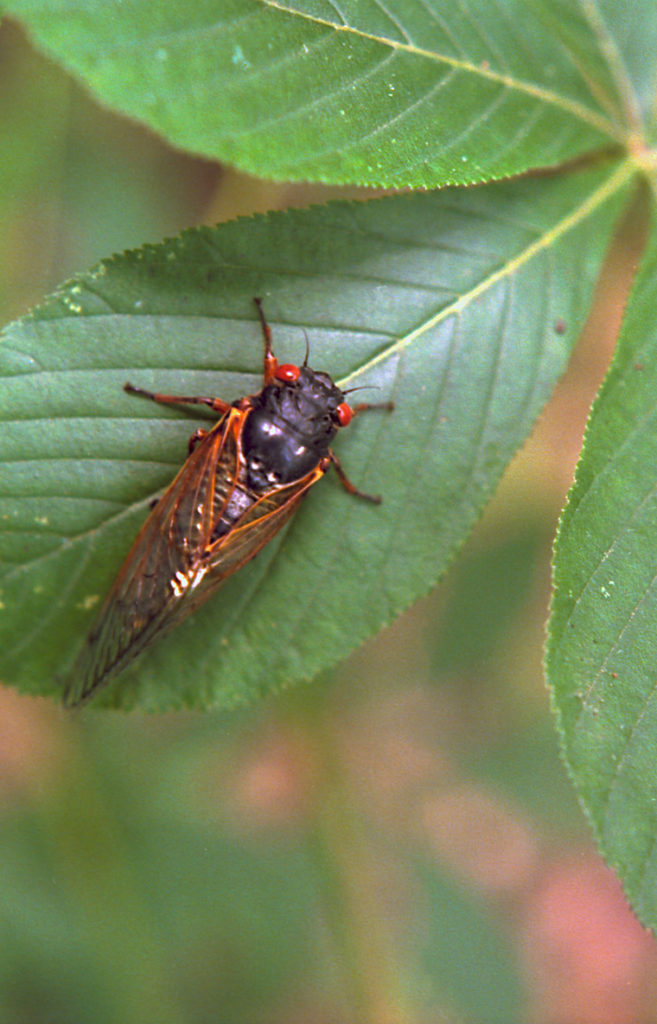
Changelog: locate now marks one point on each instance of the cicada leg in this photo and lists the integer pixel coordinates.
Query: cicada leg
(344, 479)
(347, 484)
(196, 438)
(365, 406)
(215, 403)
(270, 360)
(155, 396)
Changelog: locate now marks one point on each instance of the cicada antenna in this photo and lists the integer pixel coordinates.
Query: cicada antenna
(362, 387)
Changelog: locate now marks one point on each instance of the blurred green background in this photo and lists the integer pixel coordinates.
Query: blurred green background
(394, 843)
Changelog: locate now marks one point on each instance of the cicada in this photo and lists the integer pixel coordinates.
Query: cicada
(242, 481)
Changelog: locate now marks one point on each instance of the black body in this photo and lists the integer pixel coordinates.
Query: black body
(290, 428)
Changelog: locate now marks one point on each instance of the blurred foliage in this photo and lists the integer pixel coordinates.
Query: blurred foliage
(65, 164)
(379, 848)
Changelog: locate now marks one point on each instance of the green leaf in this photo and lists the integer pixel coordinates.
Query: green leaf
(627, 33)
(406, 94)
(602, 652)
(620, 35)
(462, 306)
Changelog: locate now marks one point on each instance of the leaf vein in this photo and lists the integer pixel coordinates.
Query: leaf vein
(578, 110)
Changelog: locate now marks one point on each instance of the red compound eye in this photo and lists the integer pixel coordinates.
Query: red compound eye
(287, 373)
(344, 413)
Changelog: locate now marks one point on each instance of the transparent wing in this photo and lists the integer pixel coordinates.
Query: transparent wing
(176, 563)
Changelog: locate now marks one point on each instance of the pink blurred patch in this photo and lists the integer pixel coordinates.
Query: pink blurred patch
(32, 746)
(592, 961)
(481, 839)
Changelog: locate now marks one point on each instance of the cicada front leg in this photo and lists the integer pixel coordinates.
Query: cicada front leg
(217, 404)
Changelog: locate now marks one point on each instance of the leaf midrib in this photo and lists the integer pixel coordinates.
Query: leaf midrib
(578, 110)
(544, 241)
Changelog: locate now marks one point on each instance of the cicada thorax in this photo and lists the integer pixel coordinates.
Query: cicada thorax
(283, 435)
(290, 426)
